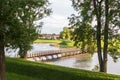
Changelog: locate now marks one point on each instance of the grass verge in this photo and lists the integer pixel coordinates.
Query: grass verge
(18, 69)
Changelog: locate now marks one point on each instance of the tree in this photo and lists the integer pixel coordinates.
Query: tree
(106, 13)
(62, 35)
(66, 33)
(24, 45)
(83, 35)
(16, 25)
(28, 14)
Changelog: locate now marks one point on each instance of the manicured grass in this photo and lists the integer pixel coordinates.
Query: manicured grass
(18, 69)
(67, 43)
(61, 43)
(47, 41)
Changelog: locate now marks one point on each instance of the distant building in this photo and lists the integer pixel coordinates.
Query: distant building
(55, 36)
(49, 36)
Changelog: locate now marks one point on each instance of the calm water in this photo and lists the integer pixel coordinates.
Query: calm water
(88, 62)
(35, 48)
(42, 47)
(82, 61)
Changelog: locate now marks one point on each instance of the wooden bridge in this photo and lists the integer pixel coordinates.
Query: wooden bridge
(51, 54)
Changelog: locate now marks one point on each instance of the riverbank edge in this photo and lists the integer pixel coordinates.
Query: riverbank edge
(69, 43)
(20, 69)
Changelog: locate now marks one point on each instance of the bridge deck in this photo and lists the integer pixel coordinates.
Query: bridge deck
(53, 52)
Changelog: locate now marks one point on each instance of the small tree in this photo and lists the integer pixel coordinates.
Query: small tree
(66, 33)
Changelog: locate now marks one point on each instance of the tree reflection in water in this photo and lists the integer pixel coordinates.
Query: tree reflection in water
(115, 56)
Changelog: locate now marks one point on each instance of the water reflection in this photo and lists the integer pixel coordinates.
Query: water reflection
(115, 56)
(88, 62)
(84, 61)
(113, 67)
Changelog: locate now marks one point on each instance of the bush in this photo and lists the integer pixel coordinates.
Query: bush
(67, 44)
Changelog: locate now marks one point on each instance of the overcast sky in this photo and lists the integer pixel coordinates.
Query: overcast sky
(62, 9)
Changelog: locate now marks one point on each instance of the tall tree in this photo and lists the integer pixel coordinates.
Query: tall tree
(106, 15)
(16, 25)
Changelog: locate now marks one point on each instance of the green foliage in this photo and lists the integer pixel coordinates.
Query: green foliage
(87, 13)
(83, 35)
(114, 49)
(25, 70)
(17, 29)
(17, 22)
(106, 14)
(66, 34)
(114, 46)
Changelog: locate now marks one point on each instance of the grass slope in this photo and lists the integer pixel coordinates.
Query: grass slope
(18, 69)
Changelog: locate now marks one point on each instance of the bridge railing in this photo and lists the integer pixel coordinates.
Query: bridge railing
(52, 52)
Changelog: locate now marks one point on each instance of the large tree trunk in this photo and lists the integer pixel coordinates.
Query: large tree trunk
(99, 46)
(2, 63)
(97, 9)
(2, 52)
(106, 36)
(2, 59)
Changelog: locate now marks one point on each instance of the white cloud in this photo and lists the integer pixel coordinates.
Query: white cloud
(62, 7)
(54, 24)
(61, 11)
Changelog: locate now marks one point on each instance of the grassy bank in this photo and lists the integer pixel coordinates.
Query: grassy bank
(66, 43)
(61, 43)
(18, 69)
(47, 41)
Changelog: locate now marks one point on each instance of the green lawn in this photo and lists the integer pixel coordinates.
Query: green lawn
(47, 41)
(18, 69)
(61, 43)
